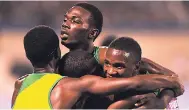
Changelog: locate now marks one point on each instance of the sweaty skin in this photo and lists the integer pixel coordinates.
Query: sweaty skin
(68, 90)
(117, 65)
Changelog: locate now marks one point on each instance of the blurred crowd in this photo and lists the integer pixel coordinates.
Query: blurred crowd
(130, 14)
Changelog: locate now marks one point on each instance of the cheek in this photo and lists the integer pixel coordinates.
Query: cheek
(79, 32)
(121, 72)
(126, 72)
(105, 68)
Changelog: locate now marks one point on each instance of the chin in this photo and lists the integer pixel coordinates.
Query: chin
(66, 44)
(70, 44)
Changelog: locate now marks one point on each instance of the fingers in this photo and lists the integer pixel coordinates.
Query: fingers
(142, 99)
(142, 107)
(141, 102)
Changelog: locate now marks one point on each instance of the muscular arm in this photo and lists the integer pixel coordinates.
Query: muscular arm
(154, 68)
(98, 85)
(105, 86)
(17, 86)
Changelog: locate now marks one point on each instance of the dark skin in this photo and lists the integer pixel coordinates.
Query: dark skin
(122, 64)
(77, 30)
(68, 90)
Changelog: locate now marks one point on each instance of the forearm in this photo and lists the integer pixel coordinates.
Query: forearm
(152, 82)
(136, 83)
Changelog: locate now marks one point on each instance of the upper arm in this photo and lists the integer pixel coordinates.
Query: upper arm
(155, 68)
(17, 86)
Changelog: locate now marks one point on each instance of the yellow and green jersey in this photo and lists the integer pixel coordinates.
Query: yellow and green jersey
(96, 52)
(35, 91)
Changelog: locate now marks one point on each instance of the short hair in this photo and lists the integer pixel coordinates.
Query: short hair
(41, 44)
(95, 12)
(129, 45)
(107, 40)
(76, 64)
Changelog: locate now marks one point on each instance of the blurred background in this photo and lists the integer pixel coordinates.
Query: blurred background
(161, 28)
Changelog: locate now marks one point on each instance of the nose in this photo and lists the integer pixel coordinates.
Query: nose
(111, 72)
(65, 25)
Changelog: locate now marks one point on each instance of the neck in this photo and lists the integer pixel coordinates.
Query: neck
(46, 69)
(88, 47)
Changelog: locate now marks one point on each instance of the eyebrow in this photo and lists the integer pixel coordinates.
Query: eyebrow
(120, 64)
(106, 60)
(76, 16)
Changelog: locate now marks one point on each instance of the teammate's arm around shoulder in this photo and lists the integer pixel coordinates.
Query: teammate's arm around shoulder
(154, 68)
(106, 86)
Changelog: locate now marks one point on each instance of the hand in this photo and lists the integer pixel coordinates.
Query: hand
(147, 65)
(144, 66)
(179, 88)
(150, 101)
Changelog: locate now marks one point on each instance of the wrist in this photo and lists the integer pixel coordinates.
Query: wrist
(169, 92)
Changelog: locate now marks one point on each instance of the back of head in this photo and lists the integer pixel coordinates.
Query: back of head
(127, 44)
(41, 44)
(77, 63)
(107, 40)
(95, 12)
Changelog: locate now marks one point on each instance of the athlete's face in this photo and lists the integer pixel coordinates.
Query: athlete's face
(75, 27)
(118, 64)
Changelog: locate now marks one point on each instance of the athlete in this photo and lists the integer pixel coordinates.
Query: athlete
(123, 59)
(45, 89)
(76, 64)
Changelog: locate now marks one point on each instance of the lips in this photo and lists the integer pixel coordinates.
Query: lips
(108, 76)
(64, 35)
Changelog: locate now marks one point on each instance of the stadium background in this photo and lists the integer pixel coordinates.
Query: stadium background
(161, 28)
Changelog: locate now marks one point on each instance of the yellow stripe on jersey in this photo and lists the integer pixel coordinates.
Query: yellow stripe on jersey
(35, 91)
